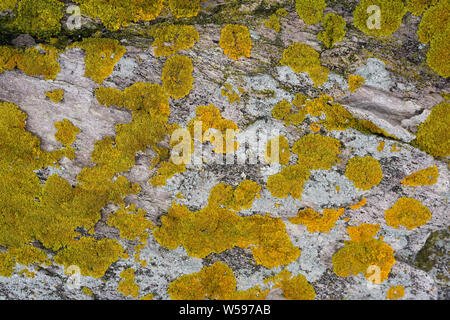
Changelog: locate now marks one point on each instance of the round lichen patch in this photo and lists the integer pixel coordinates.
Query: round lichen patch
(235, 41)
(364, 172)
(378, 17)
(310, 11)
(334, 32)
(395, 292)
(407, 212)
(177, 76)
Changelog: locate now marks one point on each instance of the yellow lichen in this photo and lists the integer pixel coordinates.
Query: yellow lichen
(177, 76)
(55, 95)
(127, 286)
(395, 292)
(273, 23)
(363, 232)
(216, 228)
(381, 146)
(282, 111)
(283, 153)
(230, 93)
(101, 56)
(437, 57)
(289, 181)
(434, 21)
(216, 282)
(303, 58)
(334, 32)
(67, 132)
(87, 291)
(360, 204)
(282, 12)
(39, 18)
(131, 222)
(6, 264)
(423, 177)
(170, 39)
(433, 136)
(417, 7)
(355, 82)
(167, 170)
(147, 297)
(120, 13)
(365, 173)
(235, 41)
(407, 212)
(293, 287)
(316, 221)
(372, 257)
(379, 17)
(93, 257)
(184, 8)
(8, 5)
(315, 151)
(310, 11)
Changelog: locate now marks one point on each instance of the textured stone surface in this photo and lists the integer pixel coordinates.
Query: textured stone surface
(393, 100)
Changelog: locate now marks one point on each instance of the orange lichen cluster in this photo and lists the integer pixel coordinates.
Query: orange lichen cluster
(365, 173)
(127, 286)
(282, 153)
(55, 95)
(235, 41)
(217, 227)
(395, 292)
(216, 282)
(303, 58)
(363, 253)
(177, 76)
(293, 287)
(423, 177)
(102, 54)
(316, 221)
(34, 61)
(169, 39)
(407, 212)
(355, 82)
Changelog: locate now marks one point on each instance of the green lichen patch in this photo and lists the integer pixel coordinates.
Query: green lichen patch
(334, 32)
(310, 11)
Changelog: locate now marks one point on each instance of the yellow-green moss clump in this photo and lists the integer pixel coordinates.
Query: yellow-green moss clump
(235, 41)
(184, 8)
(283, 155)
(216, 282)
(169, 39)
(101, 56)
(314, 152)
(407, 212)
(302, 58)
(131, 222)
(310, 11)
(120, 13)
(177, 76)
(423, 177)
(39, 18)
(316, 221)
(434, 21)
(8, 5)
(55, 95)
(364, 172)
(127, 286)
(35, 61)
(395, 292)
(66, 133)
(293, 287)
(372, 257)
(417, 7)
(218, 227)
(390, 17)
(91, 255)
(334, 32)
(355, 82)
(433, 136)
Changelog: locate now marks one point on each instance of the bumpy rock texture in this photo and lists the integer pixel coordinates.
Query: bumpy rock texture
(397, 95)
